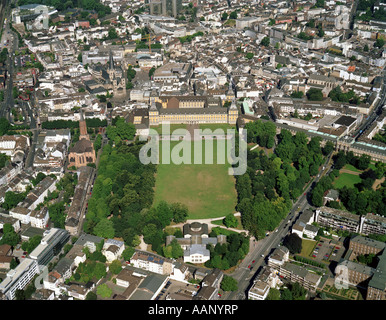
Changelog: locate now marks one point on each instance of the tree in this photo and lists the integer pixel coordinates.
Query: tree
(249, 55)
(112, 34)
(151, 72)
(10, 237)
(104, 229)
(128, 253)
(4, 126)
(19, 294)
(379, 43)
(273, 294)
(91, 296)
(233, 15)
(180, 212)
(297, 94)
(315, 94)
(104, 291)
(11, 199)
(230, 221)
(229, 284)
(265, 42)
(224, 16)
(328, 148)
(115, 267)
(285, 294)
(293, 242)
(363, 162)
(366, 48)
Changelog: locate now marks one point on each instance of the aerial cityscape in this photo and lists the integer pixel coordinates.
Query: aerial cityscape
(193, 150)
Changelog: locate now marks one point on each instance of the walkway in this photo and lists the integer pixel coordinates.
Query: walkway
(210, 224)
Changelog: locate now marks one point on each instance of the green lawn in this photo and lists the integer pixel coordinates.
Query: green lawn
(307, 247)
(172, 127)
(213, 126)
(351, 168)
(346, 179)
(207, 189)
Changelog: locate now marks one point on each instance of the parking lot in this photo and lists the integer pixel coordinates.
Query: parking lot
(327, 250)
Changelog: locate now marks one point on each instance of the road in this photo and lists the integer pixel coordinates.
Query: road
(260, 249)
(376, 112)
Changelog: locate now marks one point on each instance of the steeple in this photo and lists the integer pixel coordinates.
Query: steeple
(111, 61)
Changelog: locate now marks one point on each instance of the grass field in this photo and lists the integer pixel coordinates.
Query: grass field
(346, 179)
(172, 127)
(351, 168)
(307, 247)
(207, 189)
(213, 126)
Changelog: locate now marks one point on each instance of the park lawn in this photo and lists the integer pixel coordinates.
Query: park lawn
(206, 189)
(172, 127)
(346, 179)
(307, 247)
(351, 168)
(214, 126)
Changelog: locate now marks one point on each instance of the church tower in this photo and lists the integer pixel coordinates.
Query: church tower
(117, 77)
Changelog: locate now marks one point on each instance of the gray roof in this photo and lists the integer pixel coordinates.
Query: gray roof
(87, 238)
(368, 242)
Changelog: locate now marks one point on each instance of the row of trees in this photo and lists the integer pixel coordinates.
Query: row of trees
(266, 190)
(336, 94)
(96, 5)
(262, 133)
(120, 130)
(70, 124)
(122, 200)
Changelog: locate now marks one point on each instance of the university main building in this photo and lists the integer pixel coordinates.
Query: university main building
(191, 109)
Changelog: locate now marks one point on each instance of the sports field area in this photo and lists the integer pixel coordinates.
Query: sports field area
(206, 189)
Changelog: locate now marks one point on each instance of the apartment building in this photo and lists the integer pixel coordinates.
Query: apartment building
(18, 278)
(50, 246)
(265, 280)
(344, 220)
(152, 262)
(295, 273)
(376, 289)
(362, 245)
(351, 273)
(373, 224)
(337, 219)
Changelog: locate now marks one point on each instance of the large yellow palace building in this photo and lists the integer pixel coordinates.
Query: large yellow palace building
(191, 109)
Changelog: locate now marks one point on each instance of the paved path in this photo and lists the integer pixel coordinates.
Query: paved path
(210, 224)
(350, 172)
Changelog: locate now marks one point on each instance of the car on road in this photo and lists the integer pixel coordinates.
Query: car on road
(249, 267)
(314, 256)
(262, 255)
(25, 252)
(253, 261)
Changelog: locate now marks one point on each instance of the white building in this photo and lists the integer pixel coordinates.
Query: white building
(18, 278)
(112, 249)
